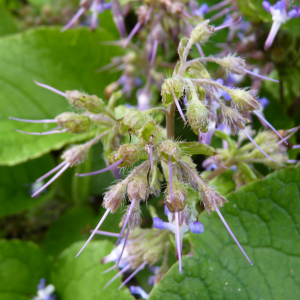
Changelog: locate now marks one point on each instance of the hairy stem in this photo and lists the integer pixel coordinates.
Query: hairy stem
(170, 121)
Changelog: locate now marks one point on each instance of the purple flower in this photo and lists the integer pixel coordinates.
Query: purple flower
(137, 290)
(279, 16)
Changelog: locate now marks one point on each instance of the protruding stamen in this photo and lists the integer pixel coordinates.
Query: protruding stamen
(132, 33)
(292, 161)
(231, 233)
(296, 147)
(154, 50)
(225, 25)
(269, 124)
(109, 269)
(148, 14)
(200, 50)
(33, 121)
(65, 167)
(128, 214)
(102, 170)
(218, 6)
(254, 143)
(48, 87)
(42, 133)
(141, 267)
(178, 106)
(261, 76)
(95, 230)
(124, 245)
(106, 233)
(178, 241)
(117, 275)
(52, 171)
(74, 19)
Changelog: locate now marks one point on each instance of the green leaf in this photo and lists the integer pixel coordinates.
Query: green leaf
(66, 61)
(264, 216)
(22, 265)
(7, 22)
(81, 278)
(75, 225)
(191, 148)
(16, 184)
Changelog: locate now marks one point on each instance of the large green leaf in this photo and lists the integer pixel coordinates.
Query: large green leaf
(80, 278)
(17, 183)
(22, 265)
(66, 61)
(7, 22)
(75, 225)
(265, 217)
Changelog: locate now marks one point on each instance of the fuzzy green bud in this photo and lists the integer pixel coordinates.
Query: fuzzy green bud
(74, 123)
(243, 99)
(132, 121)
(166, 90)
(233, 64)
(169, 148)
(114, 197)
(129, 152)
(75, 155)
(138, 186)
(176, 201)
(91, 103)
(197, 114)
(201, 33)
(198, 71)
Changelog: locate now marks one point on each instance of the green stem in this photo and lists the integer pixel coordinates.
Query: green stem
(170, 121)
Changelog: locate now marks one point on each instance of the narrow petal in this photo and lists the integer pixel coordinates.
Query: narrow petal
(270, 125)
(274, 29)
(254, 143)
(102, 170)
(117, 275)
(65, 167)
(95, 230)
(128, 214)
(52, 171)
(48, 87)
(141, 267)
(231, 233)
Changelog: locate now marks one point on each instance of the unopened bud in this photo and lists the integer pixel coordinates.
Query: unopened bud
(132, 121)
(110, 89)
(197, 114)
(211, 198)
(166, 90)
(233, 64)
(75, 155)
(198, 71)
(138, 186)
(128, 152)
(92, 103)
(169, 148)
(74, 123)
(114, 197)
(233, 118)
(176, 201)
(201, 33)
(243, 99)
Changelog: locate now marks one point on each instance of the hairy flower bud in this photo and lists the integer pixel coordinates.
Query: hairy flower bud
(74, 123)
(197, 114)
(198, 71)
(176, 201)
(133, 121)
(128, 152)
(211, 198)
(169, 148)
(201, 33)
(233, 64)
(166, 90)
(243, 99)
(92, 103)
(75, 155)
(114, 197)
(138, 186)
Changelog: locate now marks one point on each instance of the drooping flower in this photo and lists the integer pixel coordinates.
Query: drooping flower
(280, 15)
